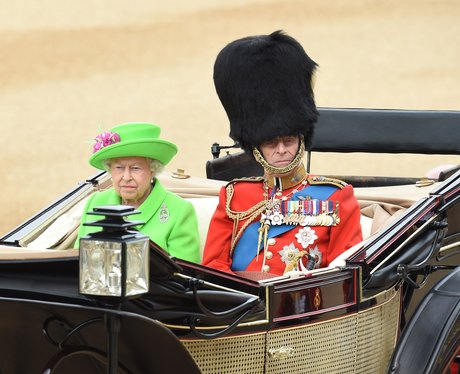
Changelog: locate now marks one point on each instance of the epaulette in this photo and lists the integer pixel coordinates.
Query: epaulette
(245, 179)
(325, 180)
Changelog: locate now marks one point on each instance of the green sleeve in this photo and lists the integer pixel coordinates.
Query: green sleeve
(184, 239)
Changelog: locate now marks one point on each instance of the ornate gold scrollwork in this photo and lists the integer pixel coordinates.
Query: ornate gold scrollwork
(317, 299)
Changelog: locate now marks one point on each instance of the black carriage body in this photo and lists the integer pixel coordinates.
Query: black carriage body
(347, 318)
(292, 324)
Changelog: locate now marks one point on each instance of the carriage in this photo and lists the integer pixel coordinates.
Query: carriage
(390, 304)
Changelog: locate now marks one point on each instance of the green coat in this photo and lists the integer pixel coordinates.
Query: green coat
(170, 221)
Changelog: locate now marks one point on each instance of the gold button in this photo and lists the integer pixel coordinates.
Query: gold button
(271, 241)
(265, 268)
(269, 255)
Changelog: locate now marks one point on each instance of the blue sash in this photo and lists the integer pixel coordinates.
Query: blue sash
(243, 253)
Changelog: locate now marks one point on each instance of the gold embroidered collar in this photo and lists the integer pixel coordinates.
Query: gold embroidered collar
(288, 181)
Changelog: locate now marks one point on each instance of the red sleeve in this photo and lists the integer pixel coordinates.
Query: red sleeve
(348, 232)
(216, 252)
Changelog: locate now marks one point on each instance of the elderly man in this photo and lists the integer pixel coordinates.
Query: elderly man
(286, 220)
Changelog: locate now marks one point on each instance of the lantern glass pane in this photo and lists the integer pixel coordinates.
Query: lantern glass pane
(100, 267)
(137, 263)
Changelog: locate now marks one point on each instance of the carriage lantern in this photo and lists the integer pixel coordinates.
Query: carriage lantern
(114, 262)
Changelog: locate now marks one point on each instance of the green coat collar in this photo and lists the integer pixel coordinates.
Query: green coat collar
(148, 208)
(153, 202)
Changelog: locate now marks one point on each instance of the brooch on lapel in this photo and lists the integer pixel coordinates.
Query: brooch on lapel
(164, 213)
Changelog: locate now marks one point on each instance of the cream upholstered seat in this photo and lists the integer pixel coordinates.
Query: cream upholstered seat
(63, 230)
(204, 208)
(378, 207)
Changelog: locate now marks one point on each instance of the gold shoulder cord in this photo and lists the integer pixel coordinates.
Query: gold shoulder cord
(250, 215)
(325, 180)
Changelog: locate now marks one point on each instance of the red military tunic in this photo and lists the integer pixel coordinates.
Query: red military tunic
(324, 242)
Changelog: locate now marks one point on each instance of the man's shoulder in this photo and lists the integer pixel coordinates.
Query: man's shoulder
(244, 180)
(322, 180)
(244, 183)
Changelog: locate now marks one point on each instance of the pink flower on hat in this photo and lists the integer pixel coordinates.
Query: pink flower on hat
(104, 139)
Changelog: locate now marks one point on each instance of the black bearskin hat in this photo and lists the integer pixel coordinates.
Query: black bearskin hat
(264, 84)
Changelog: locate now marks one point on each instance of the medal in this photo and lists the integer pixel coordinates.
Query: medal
(315, 252)
(292, 257)
(306, 236)
(310, 212)
(276, 218)
(288, 253)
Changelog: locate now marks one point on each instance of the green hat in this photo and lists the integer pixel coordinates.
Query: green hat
(132, 139)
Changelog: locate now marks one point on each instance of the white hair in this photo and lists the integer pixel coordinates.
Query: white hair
(156, 166)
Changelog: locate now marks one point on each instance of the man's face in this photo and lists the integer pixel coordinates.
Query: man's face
(280, 152)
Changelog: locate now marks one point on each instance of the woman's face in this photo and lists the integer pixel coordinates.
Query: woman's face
(131, 177)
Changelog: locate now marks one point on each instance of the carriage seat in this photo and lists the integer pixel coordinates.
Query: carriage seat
(62, 232)
(378, 207)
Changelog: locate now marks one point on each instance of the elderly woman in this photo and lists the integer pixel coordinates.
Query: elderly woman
(133, 154)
